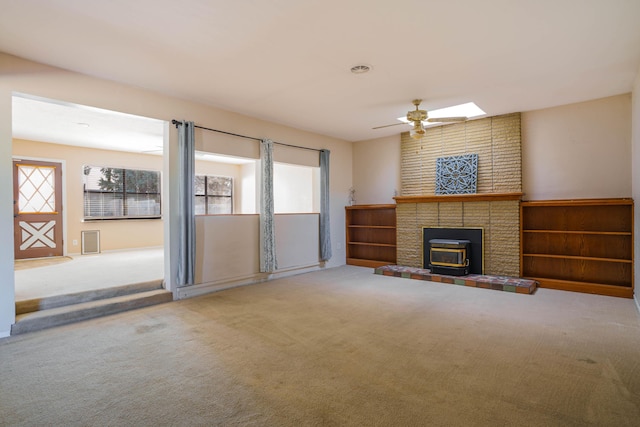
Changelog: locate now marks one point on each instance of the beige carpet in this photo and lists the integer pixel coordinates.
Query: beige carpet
(89, 272)
(340, 347)
(26, 264)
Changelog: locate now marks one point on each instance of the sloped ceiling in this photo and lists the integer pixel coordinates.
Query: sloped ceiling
(289, 61)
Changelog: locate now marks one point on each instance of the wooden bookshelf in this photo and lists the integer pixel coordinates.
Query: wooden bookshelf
(371, 235)
(578, 245)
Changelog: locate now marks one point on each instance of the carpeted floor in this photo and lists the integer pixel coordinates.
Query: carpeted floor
(27, 264)
(340, 347)
(66, 275)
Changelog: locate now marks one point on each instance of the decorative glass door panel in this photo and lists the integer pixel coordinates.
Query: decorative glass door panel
(37, 209)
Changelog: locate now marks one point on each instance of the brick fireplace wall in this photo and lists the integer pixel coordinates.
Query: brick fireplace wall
(497, 141)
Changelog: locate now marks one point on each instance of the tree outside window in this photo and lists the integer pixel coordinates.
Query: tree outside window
(214, 195)
(114, 193)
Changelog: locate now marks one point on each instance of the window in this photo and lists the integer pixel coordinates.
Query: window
(296, 188)
(116, 193)
(214, 195)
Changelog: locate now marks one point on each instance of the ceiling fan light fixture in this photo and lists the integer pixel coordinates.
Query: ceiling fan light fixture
(418, 130)
(468, 110)
(415, 135)
(419, 119)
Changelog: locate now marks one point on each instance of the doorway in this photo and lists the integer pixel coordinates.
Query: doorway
(37, 209)
(50, 257)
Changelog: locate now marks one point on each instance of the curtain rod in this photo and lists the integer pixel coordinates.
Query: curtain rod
(177, 123)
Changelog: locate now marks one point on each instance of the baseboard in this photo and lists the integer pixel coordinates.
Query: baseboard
(220, 285)
(207, 288)
(113, 251)
(5, 334)
(636, 298)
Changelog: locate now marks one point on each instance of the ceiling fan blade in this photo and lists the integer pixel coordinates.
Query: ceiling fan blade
(386, 126)
(446, 119)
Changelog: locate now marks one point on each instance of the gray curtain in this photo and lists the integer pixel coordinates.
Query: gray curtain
(325, 224)
(187, 242)
(268, 262)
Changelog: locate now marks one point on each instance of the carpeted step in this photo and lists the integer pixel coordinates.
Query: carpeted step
(46, 303)
(37, 320)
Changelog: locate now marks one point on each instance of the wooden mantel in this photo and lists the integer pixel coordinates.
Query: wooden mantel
(478, 197)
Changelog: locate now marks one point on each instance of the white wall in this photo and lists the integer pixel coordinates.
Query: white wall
(578, 151)
(27, 77)
(228, 249)
(376, 170)
(294, 247)
(7, 290)
(635, 158)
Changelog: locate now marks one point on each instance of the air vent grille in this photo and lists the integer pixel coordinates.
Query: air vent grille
(90, 242)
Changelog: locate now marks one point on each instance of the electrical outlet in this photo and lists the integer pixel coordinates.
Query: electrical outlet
(75, 243)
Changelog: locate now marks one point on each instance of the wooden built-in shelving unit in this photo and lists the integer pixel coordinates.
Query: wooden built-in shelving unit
(371, 235)
(578, 245)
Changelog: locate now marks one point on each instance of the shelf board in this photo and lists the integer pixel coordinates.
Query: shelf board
(585, 287)
(388, 227)
(579, 258)
(578, 202)
(371, 207)
(597, 233)
(368, 262)
(386, 245)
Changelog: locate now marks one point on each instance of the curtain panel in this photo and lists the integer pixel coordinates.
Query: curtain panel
(186, 209)
(268, 262)
(325, 207)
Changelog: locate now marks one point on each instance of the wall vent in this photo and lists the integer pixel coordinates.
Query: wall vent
(90, 242)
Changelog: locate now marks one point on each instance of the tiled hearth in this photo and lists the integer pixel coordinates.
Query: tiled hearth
(498, 283)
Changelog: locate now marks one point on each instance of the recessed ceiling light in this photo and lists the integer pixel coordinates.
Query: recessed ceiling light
(360, 69)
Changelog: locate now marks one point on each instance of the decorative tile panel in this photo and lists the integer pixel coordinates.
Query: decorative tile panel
(457, 174)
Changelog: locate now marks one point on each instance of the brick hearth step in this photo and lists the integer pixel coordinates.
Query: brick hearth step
(498, 283)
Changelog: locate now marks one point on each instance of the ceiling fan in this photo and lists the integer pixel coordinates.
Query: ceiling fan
(417, 117)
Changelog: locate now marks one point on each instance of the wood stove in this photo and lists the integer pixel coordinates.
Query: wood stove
(449, 256)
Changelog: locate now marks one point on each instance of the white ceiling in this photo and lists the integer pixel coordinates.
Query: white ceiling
(288, 61)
